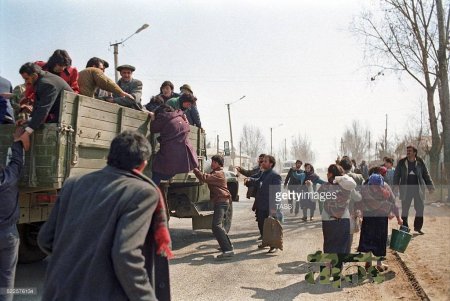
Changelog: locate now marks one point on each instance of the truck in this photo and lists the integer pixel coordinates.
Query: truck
(79, 144)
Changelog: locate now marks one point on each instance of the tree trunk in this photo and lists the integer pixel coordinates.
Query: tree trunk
(444, 94)
(435, 137)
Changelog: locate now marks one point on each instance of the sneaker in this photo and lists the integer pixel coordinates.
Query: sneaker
(272, 250)
(311, 218)
(225, 255)
(304, 218)
(260, 246)
(419, 231)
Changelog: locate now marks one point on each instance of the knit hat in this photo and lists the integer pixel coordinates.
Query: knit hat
(186, 87)
(376, 179)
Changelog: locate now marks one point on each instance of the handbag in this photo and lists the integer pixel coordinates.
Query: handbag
(272, 233)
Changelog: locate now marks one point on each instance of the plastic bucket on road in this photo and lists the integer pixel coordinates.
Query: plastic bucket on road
(399, 240)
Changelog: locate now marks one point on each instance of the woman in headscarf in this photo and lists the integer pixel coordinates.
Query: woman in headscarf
(378, 203)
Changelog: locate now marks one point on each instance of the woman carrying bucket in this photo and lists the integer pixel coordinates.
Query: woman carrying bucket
(378, 203)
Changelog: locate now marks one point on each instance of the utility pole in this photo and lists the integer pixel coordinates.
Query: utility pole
(240, 153)
(271, 141)
(116, 50)
(231, 131)
(217, 144)
(369, 151)
(285, 149)
(231, 135)
(385, 137)
(271, 130)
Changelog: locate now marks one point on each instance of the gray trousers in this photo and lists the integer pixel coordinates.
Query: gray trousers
(9, 253)
(220, 210)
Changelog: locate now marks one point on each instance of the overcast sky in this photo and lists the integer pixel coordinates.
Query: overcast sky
(296, 61)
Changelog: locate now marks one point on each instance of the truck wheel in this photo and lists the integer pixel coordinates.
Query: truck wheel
(29, 250)
(228, 217)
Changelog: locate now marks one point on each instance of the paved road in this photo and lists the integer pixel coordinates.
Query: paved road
(252, 273)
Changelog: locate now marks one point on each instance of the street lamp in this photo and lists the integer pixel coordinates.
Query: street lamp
(116, 50)
(231, 131)
(271, 129)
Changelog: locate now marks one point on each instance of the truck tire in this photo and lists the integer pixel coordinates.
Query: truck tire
(228, 218)
(29, 250)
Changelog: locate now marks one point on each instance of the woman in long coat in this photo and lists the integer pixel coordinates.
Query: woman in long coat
(176, 154)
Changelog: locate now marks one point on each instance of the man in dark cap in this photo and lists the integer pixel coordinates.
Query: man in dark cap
(130, 85)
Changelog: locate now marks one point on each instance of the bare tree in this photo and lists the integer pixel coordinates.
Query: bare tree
(405, 39)
(301, 149)
(252, 141)
(354, 142)
(444, 93)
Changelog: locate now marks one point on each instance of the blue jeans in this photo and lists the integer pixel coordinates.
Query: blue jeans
(9, 253)
(220, 209)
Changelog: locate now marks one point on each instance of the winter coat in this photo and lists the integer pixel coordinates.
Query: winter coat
(9, 191)
(268, 184)
(69, 75)
(423, 177)
(48, 92)
(192, 113)
(176, 154)
(133, 87)
(92, 78)
(97, 235)
(217, 184)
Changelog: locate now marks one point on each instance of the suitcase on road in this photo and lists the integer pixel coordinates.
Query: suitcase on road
(272, 233)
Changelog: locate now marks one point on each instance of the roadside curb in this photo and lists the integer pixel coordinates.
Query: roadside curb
(418, 289)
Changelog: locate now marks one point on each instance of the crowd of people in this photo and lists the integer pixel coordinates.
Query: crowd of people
(362, 199)
(119, 262)
(40, 95)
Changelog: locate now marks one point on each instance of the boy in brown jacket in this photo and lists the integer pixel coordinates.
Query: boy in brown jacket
(221, 197)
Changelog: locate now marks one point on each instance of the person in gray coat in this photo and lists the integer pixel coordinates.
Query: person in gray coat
(49, 89)
(411, 174)
(100, 234)
(131, 86)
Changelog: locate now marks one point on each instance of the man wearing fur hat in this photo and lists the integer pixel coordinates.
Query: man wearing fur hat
(130, 85)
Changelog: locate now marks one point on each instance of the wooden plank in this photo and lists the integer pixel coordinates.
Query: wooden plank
(93, 153)
(95, 134)
(90, 163)
(95, 124)
(98, 115)
(87, 142)
(99, 104)
(135, 114)
(81, 171)
(135, 123)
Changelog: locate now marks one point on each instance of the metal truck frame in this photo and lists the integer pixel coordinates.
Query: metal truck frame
(79, 144)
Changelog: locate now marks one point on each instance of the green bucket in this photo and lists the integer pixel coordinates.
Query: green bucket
(399, 240)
